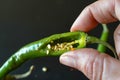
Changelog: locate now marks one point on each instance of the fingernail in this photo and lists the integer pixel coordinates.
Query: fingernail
(67, 60)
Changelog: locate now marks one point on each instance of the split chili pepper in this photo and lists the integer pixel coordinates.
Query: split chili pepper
(53, 45)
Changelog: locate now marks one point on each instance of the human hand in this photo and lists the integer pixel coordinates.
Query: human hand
(94, 65)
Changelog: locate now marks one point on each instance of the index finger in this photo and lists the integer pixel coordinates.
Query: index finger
(103, 11)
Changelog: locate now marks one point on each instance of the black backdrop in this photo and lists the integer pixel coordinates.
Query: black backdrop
(24, 21)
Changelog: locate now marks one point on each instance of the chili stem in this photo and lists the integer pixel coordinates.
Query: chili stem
(92, 39)
(104, 37)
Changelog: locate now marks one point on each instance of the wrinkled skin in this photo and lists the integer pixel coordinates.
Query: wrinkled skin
(94, 65)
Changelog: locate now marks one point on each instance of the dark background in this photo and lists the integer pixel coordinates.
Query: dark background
(24, 21)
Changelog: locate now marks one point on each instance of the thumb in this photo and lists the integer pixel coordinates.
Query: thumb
(94, 65)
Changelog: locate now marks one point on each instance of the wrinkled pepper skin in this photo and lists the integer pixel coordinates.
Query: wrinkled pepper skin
(53, 45)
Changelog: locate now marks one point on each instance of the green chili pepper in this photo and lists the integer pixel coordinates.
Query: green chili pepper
(50, 46)
(104, 37)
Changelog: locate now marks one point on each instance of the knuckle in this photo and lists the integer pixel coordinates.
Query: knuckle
(117, 32)
(117, 39)
(94, 69)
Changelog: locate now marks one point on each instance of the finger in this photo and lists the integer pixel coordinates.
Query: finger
(103, 11)
(94, 65)
(117, 40)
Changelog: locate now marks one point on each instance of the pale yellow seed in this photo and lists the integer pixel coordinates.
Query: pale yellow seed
(71, 46)
(49, 46)
(55, 47)
(52, 41)
(62, 45)
(67, 48)
(44, 69)
(47, 52)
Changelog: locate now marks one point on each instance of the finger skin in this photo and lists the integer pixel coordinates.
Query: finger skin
(102, 11)
(94, 65)
(117, 40)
